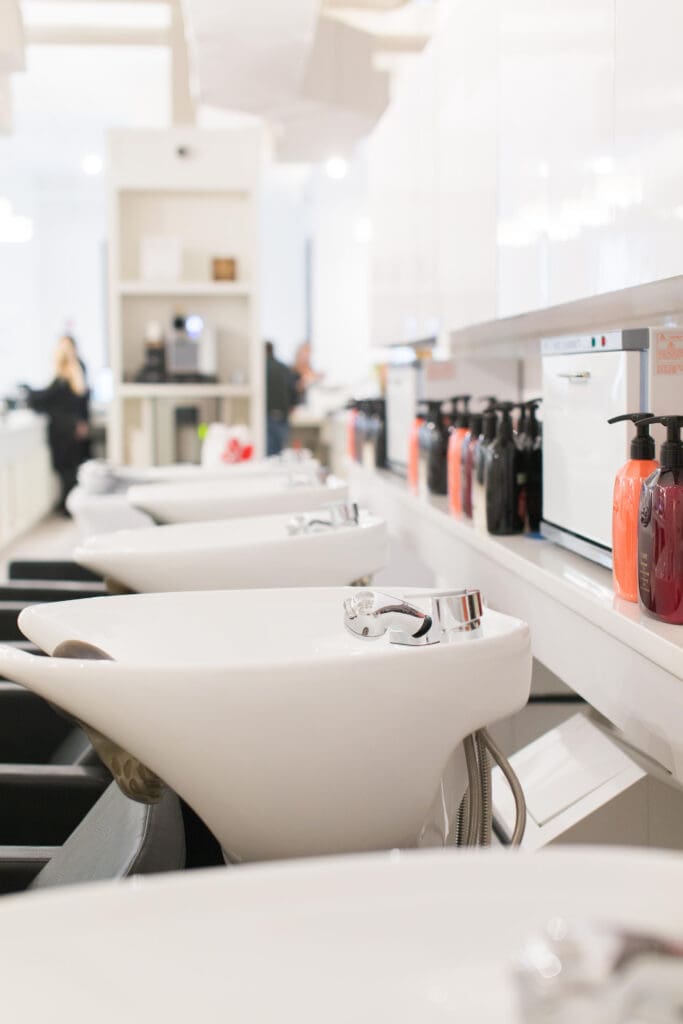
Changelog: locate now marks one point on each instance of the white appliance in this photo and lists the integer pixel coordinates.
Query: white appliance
(403, 386)
(586, 380)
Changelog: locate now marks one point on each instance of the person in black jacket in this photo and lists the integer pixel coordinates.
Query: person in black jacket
(65, 402)
(280, 397)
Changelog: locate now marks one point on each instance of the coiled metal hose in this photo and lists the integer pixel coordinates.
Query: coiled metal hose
(475, 814)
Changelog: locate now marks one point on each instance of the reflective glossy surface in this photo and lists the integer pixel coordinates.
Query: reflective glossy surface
(419, 937)
(237, 553)
(187, 503)
(532, 157)
(288, 735)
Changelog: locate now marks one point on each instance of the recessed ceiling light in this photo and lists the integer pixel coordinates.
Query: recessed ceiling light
(92, 164)
(336, 168)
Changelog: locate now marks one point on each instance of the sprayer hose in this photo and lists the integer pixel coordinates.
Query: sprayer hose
(514, 784)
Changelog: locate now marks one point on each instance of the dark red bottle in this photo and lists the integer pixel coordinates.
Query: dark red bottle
(660, 529)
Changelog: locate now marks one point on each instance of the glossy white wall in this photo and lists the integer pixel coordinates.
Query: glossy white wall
(532, 157)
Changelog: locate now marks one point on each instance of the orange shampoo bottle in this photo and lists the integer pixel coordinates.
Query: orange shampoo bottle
(627, 487)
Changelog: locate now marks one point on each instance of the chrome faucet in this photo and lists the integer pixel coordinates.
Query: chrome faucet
(302, 475)
(338, 515)
(598, 973)
(371, 614)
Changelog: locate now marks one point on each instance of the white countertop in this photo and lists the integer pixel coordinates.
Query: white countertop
(625, 663)
(20, 420)
(21, 430)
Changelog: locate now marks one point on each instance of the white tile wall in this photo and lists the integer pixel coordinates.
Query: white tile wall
(533, 157)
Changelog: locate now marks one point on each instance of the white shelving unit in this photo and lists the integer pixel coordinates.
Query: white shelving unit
(202, 188)
(182, 288)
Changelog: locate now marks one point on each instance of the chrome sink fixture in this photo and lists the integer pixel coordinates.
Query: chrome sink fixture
(452, 616)
(371, 614)
(218, 499)
(410, 938)
(288, 735)
(242, 553)
(334, 517)
(599, 974)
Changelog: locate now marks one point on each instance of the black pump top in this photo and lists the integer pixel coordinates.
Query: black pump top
(642, 445)
(476, 423)
(490, 401)
(433, 414)
(671, 452)
(532, 428)
(461, 414)
(505, 431)
(489, 424)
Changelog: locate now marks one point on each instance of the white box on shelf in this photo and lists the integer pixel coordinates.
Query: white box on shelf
(161, 258)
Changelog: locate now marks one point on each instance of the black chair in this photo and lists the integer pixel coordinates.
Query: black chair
(50, 569)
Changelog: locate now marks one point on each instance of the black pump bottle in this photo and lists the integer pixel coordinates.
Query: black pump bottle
(433, 446)
(505, 479)
(529, 442)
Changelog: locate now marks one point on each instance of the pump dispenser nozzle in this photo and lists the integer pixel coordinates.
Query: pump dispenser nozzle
(505, 431)
(532, 428)
(490, 401)
(461, 414)
(642, 445)
(671, 452)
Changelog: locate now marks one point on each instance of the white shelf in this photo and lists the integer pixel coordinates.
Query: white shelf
(626, 664)
(642, 305)
(197, 289)
(184, 391)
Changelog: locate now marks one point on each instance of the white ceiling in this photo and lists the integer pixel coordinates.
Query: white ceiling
(70, 95)
(309, 70)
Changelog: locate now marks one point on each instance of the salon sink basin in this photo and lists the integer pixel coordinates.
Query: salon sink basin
(288, 734)
(235, 554)
(100, 503)
(411, 938)
(99, 476)
(218, 499)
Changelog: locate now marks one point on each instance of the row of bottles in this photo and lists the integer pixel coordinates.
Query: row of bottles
(366, 438)
(490, 472)
(647, 520)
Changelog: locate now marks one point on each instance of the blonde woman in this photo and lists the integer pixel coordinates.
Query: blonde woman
(65, 402)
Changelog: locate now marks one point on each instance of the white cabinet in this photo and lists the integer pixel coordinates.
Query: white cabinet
(532, 157)
(28, 487)
(433, 186)
(200, 190)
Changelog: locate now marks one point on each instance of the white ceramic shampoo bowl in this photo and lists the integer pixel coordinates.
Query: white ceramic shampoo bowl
(235, 554)
(99, 513)
(217, 499)
(287, 734)
(411, 938)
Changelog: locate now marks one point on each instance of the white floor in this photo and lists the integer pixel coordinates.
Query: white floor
(54, 537)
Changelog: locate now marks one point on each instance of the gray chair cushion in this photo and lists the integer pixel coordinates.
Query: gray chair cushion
(118, 838)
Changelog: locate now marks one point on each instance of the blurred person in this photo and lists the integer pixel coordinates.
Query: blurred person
(65, 402)
(304, 374)
(280, 397)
